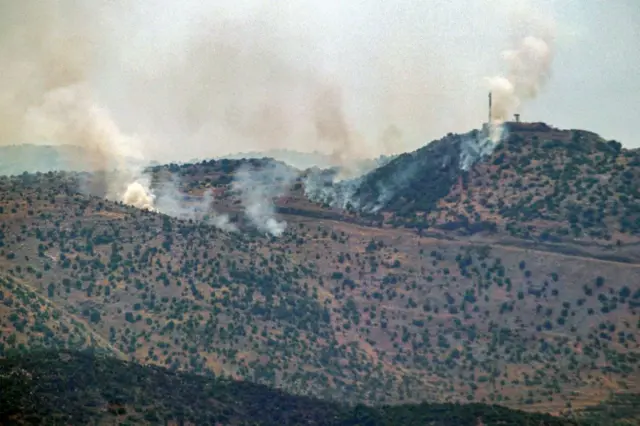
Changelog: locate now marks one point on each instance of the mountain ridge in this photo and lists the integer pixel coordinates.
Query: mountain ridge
(372, 308)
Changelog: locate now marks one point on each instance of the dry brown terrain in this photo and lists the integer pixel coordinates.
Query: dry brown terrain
(334, 307)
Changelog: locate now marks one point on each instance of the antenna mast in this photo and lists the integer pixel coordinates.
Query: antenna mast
(489, 122)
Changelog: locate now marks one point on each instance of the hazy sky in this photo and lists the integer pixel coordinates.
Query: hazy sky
(198, 78)
(596, 72)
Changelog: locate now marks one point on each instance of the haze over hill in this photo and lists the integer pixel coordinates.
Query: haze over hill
(506, 279)
(308, 160)
(254, 78)
(17, 159)
(495, 264)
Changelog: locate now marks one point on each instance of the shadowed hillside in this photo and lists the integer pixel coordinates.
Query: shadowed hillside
(83, 388)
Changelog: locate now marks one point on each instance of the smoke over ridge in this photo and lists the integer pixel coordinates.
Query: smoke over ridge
(528, 64)
(258, 188)
(149, 81)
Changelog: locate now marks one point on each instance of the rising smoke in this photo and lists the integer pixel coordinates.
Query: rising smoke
(258, 187)
(528, 65)
(170, 200)
(198, 75)
(47, 97)
(528, 68)
(147, 81)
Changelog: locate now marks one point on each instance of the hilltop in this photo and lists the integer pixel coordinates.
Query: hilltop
(404, 304)
(567, 190)
(538, 182)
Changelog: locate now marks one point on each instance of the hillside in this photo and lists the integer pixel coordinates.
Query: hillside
(568, 191)
(334, 307)
(539, 182)
(88, 388)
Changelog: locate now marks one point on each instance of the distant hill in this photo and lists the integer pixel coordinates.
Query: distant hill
(308, 160)
(18, 159)
(299, 160)
(27, 158)
(88, 388)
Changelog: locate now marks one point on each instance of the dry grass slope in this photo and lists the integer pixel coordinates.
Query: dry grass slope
(339, 309)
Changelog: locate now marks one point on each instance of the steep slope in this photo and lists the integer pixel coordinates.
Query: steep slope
(539, 182)
(84, 388)
(417, 181)
(331, 308)
(560, 183)
(31, 320)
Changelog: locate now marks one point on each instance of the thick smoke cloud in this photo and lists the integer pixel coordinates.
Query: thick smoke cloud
(170, 200)
(176, 80)
(528, 62)
(213, 78)
(258, 188)
(47, 96)
(529, 69)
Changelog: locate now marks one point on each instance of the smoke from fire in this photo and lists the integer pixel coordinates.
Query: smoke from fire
(528, 64)
(142, 80)
(47, 97)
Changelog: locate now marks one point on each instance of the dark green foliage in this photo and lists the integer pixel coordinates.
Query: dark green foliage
(87, 388)
(95, 317)
(415, 181)
(620, 409)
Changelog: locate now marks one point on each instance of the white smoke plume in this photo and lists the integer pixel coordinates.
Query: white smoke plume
(200, 79)
(474, 147)
(46, 96)
(333, 188)
(211, 77)
(70, 114)
(170, 200)
(257, 188)
(139, 196)
(325, 186)
(528, 65)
